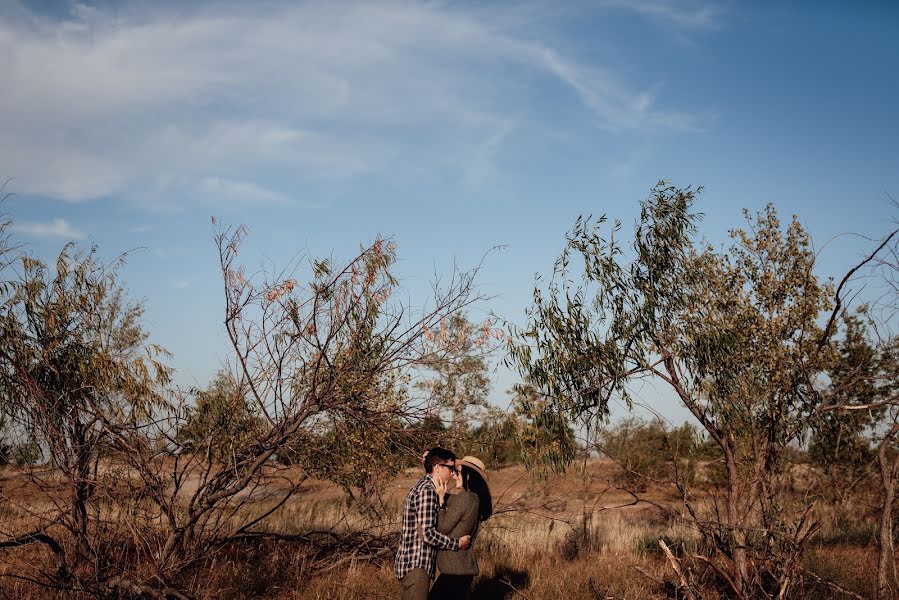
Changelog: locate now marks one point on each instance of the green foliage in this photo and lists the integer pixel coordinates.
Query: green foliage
(649, 450)
(544, 437)
(78, 380)
(460, 382)
(494, 439)
(221, 421)
(25, 454)
(733, 333)
(358, 449)
(584, 340)
(74, 354)
(16, 451)
(329, 362)
(862, 373)
(427, 432)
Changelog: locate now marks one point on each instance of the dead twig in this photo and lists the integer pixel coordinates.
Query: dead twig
(675, 565)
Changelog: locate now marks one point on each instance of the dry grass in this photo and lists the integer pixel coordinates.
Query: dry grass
(571, 537)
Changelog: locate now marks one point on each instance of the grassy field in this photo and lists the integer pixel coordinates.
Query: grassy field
(574, 536)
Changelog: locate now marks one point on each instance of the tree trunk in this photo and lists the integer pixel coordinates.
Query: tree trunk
(886, 567)
(736, 535)
(81, 488)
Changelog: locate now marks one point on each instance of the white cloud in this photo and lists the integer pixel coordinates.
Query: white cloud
(57, 228)
(181, 283)
(144, 104)
(685, 14)
(615, 107)
(244, 191)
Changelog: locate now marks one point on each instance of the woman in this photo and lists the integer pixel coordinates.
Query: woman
(465, 507)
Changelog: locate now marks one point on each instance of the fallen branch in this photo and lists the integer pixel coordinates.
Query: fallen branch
(40, 537)
(833, 586)
(514, 589)
(643, 572)
(139, 590)
(675, 565)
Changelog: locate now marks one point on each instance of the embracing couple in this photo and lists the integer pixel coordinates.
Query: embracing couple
(440, 523)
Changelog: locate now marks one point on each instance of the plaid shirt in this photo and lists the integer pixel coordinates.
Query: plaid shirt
(421, 540)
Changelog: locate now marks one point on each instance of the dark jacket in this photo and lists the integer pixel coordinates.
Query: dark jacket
(460, 517)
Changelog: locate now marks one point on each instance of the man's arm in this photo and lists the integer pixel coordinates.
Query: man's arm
(426, 521)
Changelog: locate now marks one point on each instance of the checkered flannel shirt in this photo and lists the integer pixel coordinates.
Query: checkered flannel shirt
(421, 540)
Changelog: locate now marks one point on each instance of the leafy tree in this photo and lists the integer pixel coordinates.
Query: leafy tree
(839, 442)
(74, 364)
(361, 448)
(323, 364)
(855, 431)
(734, 334)
(544, 437)
(649, 450)
(494, 439)
(221, 420)
(460, 383)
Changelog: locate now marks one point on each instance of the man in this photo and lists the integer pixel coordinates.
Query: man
(417, 557)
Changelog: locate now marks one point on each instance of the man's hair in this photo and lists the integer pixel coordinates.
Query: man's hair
(436, 456)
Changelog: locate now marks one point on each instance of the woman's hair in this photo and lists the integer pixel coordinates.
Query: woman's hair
(473, 482)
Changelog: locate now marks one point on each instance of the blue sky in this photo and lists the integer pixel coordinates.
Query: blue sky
(451, 126)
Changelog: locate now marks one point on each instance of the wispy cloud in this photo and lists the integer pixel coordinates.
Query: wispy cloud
(181, 283)
(692, 15)
(212, 102)
(242, 191)
(615, 107)
(57, 228)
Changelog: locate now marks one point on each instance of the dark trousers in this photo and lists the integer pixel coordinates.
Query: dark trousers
(415, 585)
(451, 587)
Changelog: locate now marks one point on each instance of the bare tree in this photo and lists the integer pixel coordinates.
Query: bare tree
(339, 348)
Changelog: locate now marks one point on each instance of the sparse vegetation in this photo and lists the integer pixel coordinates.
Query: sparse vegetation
(284, 477)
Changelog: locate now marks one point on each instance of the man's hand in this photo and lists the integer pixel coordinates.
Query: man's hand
(464, 542)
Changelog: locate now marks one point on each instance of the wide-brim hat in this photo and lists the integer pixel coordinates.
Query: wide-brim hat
(474, 463)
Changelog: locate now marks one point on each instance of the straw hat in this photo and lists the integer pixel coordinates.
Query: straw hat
(473, 463)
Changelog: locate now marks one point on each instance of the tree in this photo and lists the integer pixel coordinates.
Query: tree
(158, 483)
(839, 441)
(649, 450)
(733, 334)
(360, 450)
(862, 404)
(856, 428)
(331, 354)
(221, 421)
(74, 363)
(544, 437)
(459, 383)
(494, 439)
